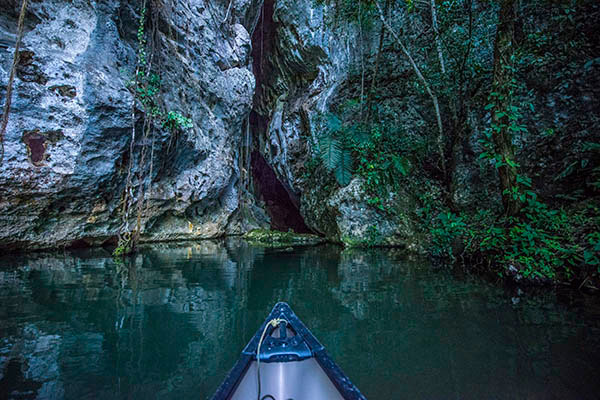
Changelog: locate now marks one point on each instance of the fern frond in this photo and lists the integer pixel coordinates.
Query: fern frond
(343, 170)
(401, 164)
(330, 151)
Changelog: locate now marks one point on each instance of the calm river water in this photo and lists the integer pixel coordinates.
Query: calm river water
(170, 322)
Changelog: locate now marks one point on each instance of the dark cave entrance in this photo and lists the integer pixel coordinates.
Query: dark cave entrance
(283, 211)
(281, 204)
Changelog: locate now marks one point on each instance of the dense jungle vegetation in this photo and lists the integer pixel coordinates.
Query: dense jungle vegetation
(488, 112)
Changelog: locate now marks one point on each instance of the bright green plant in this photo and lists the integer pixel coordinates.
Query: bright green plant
(591, 255)
(375, 152)
(447, 229)
(334, 149)
(175, 120)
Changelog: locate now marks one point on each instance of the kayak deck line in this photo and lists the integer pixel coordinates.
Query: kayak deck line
(291, 365)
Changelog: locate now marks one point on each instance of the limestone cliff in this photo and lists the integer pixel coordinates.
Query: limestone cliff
(252, 77)
(67, 141)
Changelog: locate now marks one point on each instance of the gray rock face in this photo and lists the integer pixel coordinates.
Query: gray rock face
(307, 65)
(361, 224)
(67, 141)
(70, 129)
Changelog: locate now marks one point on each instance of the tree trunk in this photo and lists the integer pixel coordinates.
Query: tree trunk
(437, 36)
(502, 93)
(376, 68)
(425, 83)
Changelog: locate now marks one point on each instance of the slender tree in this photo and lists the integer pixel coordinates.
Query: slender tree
(424, 82)
(438, 42)
(501, 97)
(11, 77)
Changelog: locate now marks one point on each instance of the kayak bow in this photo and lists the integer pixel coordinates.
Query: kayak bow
(284, 361)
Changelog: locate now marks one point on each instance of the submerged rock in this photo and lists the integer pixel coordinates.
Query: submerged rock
(281, 239)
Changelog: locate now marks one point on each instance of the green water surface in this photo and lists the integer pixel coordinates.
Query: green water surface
(170, 322)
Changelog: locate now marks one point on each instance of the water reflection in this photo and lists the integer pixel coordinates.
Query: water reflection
(170, 322)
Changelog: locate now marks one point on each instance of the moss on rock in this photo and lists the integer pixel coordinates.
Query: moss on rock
(279, 239)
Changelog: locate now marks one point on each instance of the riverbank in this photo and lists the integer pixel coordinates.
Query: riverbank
(461, 262)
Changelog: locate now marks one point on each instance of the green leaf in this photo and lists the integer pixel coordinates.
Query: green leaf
(401, 164)
(361, 137)
(330, 151)
(343, 170)
(511, 163)
(591, 62)
(590, 146)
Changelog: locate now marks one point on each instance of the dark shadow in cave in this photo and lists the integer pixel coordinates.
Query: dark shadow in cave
(14, 384)
(263, 41)
(282, 210)
(281, 204)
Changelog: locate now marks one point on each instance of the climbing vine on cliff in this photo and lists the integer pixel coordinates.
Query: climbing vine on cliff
(145, 87)
(11, 77)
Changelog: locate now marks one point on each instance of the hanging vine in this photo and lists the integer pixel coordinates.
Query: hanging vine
(145, 87)
(11, 77)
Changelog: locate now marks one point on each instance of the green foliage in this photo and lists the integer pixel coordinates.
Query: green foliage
(381, 163)
(334, 151)
(591, 254)
(175, 120)
(146, 86)
(120, 251)
(507, 120)
(540, 242)
(343, 171)
(147, 89)
(363, 12)
(535, 242)
(558, 54)
(377, 152)
(141, 37)
(330, 151)
(543, 103)
(445, 230)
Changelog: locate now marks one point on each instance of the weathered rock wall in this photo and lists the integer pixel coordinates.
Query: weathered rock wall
(67, 142)
(308, 63)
